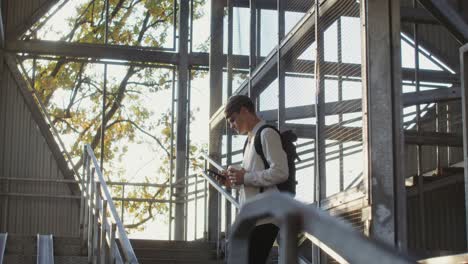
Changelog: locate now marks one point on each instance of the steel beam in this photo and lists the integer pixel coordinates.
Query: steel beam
(382, 117)
(448, 17)
(354, 105)
(182, 116)
(216, 88)
(433, 139)
(417, 15)
(17, 30)
(464, 92)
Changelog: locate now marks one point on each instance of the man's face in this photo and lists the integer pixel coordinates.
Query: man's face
(237, 121)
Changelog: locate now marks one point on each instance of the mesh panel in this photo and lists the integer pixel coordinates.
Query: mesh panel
(340, 77)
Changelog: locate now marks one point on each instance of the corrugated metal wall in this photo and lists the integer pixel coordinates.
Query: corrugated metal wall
(23, 12)
(445, 218)
(24, 153)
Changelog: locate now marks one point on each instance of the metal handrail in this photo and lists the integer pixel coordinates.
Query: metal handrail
(99, 202)
(213, 182)
(3, 241)
(45, 249)
(336, 238)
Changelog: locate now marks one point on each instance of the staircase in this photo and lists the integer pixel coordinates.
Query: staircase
(67, 250)
(174, 252)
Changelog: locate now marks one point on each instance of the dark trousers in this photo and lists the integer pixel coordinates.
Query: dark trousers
(260, 243)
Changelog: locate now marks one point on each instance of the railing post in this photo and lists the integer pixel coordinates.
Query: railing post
(82, 200)
(196, 207)
(288, 244)
(90, 216)
(218, 231)
(205, 211)
(123, 205)
(96, 233)
(87, 201)
(112, 243)
(103, 231)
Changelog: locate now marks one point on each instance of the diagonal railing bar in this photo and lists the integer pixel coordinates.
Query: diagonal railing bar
(333, 236)
(214, 182)
(97, 204)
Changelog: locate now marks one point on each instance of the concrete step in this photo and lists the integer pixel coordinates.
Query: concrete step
(163, 244)
(174, 261)
(27, 245)
(175, 253)
(32, 259)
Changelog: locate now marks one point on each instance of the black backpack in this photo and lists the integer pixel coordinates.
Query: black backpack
(287, 140)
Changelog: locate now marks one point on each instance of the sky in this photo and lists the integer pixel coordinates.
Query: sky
(143, 157)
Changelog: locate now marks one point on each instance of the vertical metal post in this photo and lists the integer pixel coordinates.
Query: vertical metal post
(122, 213)
(422, 214)
(464, 93)
(205, 211)
(104, 89)
(171, 158)
(86, 192)
(382, 120)
(187, 156)
(82, 196)
(181, 140)
(320, 158)
(96, 232)
(91, 216)
(103, 242)
(281, 70)
(229, 93)
(218, 223)
(253, 44)
(216, 84)
(112, 243)
(340, 99)
(319, 155)
(195, 224)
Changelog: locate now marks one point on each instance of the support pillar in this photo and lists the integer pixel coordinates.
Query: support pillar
(182, 117)
(464, 92)
(382, 120)
(216, 93)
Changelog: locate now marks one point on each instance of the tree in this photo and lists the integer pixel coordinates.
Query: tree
(80, 81)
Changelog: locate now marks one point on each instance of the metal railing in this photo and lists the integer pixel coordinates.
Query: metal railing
(3, 241)
(45, 249)
(336, 238)
(100, 233)
(222, 193)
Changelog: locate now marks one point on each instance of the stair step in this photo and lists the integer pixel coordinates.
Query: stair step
(19, 259)
(162, 244)
(175, 253)
(70, 260)
(27, 245)
(175, 261)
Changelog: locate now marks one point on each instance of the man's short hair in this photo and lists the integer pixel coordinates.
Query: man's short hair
(235, 103)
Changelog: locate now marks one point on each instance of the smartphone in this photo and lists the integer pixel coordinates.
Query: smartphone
(216, 173)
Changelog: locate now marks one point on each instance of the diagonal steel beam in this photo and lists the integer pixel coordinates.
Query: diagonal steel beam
(448, 17)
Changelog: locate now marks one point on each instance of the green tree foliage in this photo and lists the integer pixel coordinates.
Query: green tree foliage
(80, 82)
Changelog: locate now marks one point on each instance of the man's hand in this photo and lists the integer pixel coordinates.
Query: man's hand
(224, 180)
(236, 176)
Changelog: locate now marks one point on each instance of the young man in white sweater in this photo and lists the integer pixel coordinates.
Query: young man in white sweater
(253, 178)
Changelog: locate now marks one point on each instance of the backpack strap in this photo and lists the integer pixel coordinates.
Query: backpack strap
(259, 148)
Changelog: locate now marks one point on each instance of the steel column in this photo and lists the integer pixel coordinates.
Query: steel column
(181, 140)
(382, 117)
(464, 91)
(216, 84)
(281, 69)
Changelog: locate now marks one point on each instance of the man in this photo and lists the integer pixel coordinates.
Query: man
(252, 177)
